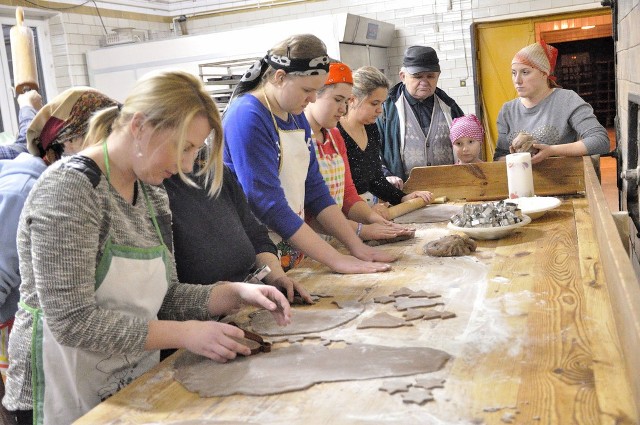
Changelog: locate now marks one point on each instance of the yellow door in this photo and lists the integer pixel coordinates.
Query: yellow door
(497, 44)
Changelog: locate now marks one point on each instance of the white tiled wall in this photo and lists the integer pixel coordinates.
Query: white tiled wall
(442, 24)
(74, 34)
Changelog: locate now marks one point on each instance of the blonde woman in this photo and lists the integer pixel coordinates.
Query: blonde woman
(268, 147)
(362, 138)
(99, 293)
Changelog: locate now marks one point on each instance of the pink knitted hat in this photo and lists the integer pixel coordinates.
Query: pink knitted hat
(540, 56)
(466, 126)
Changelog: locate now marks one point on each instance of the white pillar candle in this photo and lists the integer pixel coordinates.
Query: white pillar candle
(519, 175)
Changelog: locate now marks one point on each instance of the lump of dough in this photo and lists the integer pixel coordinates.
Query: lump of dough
(524, 143)
(451, 246)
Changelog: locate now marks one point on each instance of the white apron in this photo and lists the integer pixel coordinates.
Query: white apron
(332, 169)
(294, 166)
(130, 280)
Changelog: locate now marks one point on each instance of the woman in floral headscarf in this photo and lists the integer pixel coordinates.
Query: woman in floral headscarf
(268, 147)
(560, 122)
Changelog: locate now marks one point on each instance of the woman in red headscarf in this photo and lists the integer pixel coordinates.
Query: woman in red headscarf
(323, 116)
(560, 122)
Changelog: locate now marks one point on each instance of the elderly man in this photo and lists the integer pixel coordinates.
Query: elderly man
(414, 125)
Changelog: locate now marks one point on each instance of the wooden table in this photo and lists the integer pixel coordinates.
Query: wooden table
(541, 336)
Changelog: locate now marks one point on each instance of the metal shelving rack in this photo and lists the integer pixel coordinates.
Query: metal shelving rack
(220, 78)
(595, 83)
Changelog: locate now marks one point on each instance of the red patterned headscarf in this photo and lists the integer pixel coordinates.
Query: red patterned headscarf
(540, 56)
(65, 118)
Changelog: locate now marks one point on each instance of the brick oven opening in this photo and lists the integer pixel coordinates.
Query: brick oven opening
(632, 173)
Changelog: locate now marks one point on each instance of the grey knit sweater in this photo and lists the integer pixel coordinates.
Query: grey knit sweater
(562, 117)
(62, 233)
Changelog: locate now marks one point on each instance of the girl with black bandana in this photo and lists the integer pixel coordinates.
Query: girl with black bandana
(268, 147)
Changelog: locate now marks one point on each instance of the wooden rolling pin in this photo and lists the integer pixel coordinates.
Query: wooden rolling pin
(411, 205)
(23, 56)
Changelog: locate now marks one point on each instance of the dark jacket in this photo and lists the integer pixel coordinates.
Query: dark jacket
(389, 125)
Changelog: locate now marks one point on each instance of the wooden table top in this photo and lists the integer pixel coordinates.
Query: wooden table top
(534, 341)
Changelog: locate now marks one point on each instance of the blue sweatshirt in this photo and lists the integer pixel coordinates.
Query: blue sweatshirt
(17, 177)
(251, 152)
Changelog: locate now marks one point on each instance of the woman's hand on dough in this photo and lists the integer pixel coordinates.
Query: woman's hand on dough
(291, 286)
(348, 264)
(368, 253)
(228, 297)
(269, 298)
(544, 152)
(387, 230)
(213, 340)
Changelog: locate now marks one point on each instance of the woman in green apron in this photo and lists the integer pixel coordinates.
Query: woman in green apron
(331, 153)
(99, 295)
(268, 147)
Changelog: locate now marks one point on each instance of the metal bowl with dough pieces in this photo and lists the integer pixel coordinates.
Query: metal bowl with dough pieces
(491, 232)
(536, 206)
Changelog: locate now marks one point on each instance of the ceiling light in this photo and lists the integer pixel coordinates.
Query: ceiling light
(588, 27)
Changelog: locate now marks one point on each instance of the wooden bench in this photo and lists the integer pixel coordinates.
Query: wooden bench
(488, 180)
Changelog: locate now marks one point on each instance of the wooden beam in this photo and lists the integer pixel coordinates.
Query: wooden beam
(487, 180)
(622, 282)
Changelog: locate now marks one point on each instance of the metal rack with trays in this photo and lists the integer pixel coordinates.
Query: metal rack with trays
(220, 78)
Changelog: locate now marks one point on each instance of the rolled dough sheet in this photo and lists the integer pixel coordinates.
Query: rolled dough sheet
(304, 321)
(430, 214)
(300, 366)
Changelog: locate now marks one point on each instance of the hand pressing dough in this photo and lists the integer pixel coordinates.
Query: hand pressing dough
(271, 373)
(524, 143)
(305, 321)
(376, 242)
(451, 246)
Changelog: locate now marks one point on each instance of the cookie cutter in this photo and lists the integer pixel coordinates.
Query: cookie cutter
(264, 346)
(258, 275)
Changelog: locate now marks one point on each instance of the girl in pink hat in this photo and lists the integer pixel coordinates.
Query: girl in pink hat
(466, 135)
